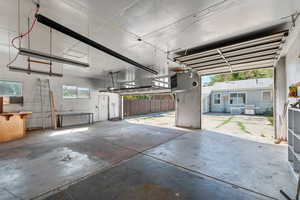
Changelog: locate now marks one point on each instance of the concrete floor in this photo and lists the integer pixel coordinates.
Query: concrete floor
(256, 127)
(125, 160)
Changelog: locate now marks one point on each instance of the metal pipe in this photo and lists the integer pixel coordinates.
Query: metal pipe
(45, 56)
(17, 69)
(38, 61)
(52, 24)
(121, 89)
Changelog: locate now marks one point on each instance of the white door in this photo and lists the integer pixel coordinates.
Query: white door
(102, 108)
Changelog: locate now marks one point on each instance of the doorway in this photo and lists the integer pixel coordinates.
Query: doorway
(240, 103)
(102, 108)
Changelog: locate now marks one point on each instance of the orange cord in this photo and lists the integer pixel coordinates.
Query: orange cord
(28, 31)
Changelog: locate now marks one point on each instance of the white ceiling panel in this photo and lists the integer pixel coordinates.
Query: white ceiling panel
(162, 25)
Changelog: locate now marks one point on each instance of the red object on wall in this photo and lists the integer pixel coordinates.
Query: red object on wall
(1, 104)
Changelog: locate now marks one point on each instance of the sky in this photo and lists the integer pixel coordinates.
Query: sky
(206, 79)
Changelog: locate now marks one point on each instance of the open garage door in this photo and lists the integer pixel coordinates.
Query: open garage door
(257, 53)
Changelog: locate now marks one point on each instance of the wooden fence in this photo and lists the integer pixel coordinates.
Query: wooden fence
(144, 106)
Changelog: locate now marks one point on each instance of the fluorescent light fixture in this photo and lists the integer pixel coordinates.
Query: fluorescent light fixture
(45, 56)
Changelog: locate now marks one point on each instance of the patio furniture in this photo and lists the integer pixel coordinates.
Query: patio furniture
(236, 110)
(249, 110)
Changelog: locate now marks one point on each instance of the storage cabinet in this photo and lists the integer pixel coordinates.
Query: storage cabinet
(294, 138)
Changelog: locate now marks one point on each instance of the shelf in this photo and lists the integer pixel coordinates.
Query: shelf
(294, 138)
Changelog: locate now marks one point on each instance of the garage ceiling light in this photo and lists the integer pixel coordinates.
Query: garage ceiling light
(45, 56)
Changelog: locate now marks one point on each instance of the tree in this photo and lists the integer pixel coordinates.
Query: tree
(137, 97)
(251, 74)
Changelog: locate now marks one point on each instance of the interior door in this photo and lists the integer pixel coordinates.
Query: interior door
(102, 108)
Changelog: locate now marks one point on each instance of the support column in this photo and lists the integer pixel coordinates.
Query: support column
(188, 108)
(121, 108)
(280, 99)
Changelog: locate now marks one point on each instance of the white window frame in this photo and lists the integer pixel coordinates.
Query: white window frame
(214, 98)
(238, 103)
(161, 82)
(22, 87)
(88, 97)
(262, 96)
(76, 97)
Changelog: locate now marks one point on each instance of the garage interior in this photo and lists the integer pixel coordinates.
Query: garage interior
(66, 67)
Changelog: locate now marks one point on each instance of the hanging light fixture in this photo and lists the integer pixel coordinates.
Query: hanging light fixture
(45, 56)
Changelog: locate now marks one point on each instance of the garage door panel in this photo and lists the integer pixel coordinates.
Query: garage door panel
(256, 53)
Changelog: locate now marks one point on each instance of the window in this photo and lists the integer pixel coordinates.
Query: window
(267, 96)
(217, 99)
(161, 82)
(69, 91)
(73, 92)
(129, 84)
(10, 88)
(83, 93)
(237, 98)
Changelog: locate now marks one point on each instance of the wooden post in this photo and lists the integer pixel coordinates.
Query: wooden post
(53, 110)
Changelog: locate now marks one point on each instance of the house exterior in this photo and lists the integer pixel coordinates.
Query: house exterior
(225, 97)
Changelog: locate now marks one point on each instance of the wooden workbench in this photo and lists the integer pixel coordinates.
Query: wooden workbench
(12, 125)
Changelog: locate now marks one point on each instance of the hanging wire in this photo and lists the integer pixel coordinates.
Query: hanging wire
(21, 35)
(50, 50)
(28, 58)
(19, 20)
(27, 32)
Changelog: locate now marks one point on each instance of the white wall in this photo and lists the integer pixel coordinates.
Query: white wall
(280, 99)
(292, 57)
(32, 97)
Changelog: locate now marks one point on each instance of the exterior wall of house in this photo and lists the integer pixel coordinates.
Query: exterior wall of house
(253, 97)
(206, 102)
